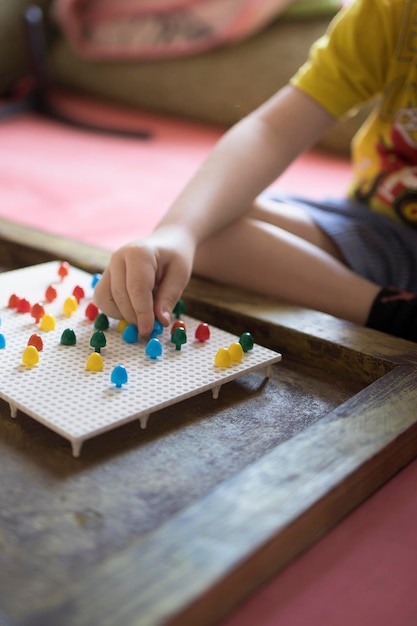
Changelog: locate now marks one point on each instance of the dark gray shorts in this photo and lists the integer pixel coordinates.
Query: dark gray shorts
(373, 245)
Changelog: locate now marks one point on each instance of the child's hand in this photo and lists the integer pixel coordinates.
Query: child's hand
(145, 279)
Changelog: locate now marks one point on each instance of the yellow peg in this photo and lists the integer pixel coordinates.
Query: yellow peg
(95, 362)
(47, 322)
(223, 358)
(30, 356)
(70, 305)
(236, 352)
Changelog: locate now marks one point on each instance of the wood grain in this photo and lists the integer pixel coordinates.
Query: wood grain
(21, 246)
(178, 524)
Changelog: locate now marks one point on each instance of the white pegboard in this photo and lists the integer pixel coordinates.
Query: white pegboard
(78, 404)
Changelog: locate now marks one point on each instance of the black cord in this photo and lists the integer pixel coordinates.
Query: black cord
(37, 97)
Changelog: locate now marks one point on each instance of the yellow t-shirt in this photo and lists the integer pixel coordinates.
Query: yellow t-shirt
(370, 50)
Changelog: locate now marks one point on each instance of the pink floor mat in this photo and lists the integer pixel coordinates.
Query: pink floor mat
(106, 190)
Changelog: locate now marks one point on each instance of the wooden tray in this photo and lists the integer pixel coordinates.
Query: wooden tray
(179, 523)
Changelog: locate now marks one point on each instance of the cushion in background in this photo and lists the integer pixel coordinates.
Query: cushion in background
(219, 86)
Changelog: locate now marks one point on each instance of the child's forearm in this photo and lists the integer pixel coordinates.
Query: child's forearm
(228, 181)
(246, 160)
(147, 277)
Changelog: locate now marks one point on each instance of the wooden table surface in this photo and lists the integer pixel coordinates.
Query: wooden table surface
(177, 524)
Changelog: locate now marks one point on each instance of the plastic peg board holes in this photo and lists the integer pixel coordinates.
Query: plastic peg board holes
(78, 404)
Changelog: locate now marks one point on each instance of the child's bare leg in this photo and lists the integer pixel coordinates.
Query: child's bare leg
(294, 220)
(302, 266)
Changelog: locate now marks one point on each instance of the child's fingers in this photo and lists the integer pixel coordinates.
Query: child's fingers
(170, 291)
(103, 297)
(140, 282)
(125, 290)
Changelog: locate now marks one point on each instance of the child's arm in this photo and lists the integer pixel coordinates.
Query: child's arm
(147, 277)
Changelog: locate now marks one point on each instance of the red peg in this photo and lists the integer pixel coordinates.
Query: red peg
(51, 293)
(177, 324)
(13, 301)
(37, 311)
(78, 293)
(63, 270)
(23, 306)
(91, 311)
(202, 332)
(36, 341)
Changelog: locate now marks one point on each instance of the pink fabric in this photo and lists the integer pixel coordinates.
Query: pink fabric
(144, 29)
(362, 573)
(107, 190)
